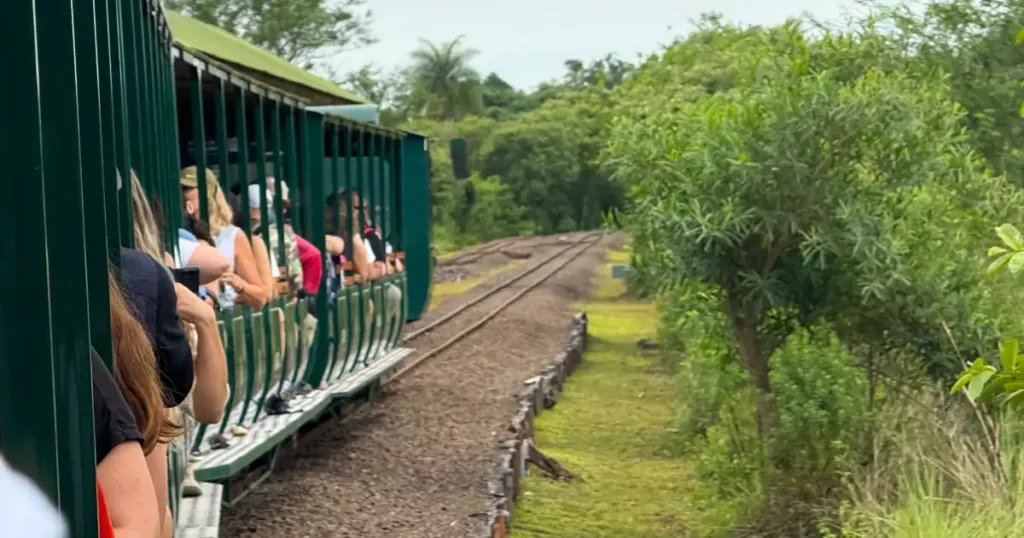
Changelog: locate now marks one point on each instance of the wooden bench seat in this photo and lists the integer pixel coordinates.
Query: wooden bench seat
(199, 517)
(357, 380)
(263, 436)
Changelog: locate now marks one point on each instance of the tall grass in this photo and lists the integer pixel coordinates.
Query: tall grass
(932, 475)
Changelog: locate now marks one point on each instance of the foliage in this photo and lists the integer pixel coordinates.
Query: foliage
(786, 194)
(449, 86)
(300, 31)
(972, 41)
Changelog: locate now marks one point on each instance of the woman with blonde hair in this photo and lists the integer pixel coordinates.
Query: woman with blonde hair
(242, 281)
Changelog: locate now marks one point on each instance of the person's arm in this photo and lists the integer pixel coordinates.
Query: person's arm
(359, 257)
(156, 461)
(173, 353)
(246, 278)
(210, 391)
(128, 488)
(211, 263)
(262, 258)
(335, 245)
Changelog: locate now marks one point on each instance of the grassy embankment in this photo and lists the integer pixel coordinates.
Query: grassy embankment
(613, 428)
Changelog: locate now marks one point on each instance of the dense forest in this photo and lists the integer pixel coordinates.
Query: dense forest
(822, 213)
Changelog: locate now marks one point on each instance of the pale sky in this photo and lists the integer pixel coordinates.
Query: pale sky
(527, 41)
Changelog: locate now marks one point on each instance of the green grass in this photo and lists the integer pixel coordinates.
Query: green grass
(444, 290)
(611, 427)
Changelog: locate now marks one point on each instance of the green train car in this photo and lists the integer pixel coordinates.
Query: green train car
(96, 89)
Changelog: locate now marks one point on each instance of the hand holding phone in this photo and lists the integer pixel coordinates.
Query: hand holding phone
(188, 277)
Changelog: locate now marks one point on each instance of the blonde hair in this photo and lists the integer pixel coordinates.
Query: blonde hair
(147, 238)
(220, 211)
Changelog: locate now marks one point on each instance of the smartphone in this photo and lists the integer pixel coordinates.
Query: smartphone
(188, 277)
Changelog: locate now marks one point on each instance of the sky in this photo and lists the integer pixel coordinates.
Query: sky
(527, 41)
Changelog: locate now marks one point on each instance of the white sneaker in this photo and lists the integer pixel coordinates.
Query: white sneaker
(189, 486)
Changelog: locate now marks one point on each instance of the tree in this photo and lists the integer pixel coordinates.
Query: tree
(443, 73)
(303, 32)
(788, 193)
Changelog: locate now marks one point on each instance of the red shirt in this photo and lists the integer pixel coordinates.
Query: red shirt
(106, 527)
(312, 267)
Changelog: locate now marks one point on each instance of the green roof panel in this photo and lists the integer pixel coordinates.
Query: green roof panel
(218, 43)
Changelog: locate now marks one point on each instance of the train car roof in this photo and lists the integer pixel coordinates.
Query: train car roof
(222, 45)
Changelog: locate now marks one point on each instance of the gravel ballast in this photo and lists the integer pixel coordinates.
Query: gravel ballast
(416, 462)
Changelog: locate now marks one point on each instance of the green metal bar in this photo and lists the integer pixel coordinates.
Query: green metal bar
(242, 163)
(275, 137)
(378, 287)
(360, 178)
(108, 53)
(313, 190)
(220, 111)
(174, 200)
(199, 141)
(69, 323)
(28, 430)
(347, 236)
(242, 174)
(396, 234)
(335, 171)
(291, 166)
(291, 158)
(261, 180)
(128, 91)
(94, 195)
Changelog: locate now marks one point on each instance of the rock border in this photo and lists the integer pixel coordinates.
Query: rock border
(539, 393)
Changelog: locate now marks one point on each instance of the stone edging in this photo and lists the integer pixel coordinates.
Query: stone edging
(539, 393)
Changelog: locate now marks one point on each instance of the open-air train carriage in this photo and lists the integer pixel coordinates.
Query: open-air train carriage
(96, 90)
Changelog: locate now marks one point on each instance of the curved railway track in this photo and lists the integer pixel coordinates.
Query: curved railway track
(377, 461)
(586, 242)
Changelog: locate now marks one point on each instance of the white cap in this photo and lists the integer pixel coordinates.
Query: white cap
(254, 198)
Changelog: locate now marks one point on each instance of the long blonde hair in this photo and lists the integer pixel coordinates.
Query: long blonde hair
(147, 238)
(220, 211)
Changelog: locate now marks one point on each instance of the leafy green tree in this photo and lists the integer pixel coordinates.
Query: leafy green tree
(304, 32)
(450, 86)
(786, 192)
(973, 42)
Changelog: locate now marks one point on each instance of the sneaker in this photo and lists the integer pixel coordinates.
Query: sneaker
(189, 486)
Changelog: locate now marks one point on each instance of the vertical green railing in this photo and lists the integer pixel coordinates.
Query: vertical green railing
(76, 75)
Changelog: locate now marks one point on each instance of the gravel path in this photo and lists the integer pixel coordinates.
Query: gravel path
(415, 463)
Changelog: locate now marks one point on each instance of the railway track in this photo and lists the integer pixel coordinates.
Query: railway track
(440, 337)
(477, 252)
(581, 246)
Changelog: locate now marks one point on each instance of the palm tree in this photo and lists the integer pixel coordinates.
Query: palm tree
(443, 73)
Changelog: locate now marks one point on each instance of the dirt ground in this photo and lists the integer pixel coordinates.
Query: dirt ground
(415, 463)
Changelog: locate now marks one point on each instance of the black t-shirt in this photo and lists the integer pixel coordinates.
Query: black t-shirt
(376, 245)
(150, 289)
(112, 418)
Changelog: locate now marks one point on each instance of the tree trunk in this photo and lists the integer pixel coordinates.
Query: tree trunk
(744, 331)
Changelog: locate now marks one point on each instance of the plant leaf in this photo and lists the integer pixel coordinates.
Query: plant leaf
(1011, 236)
(1008, 354)
(962, 381)
(1020, 35)
(977, 384)
(992, 251)
(997, 265)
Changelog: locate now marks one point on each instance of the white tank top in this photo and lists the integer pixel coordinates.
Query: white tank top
(225, 242)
